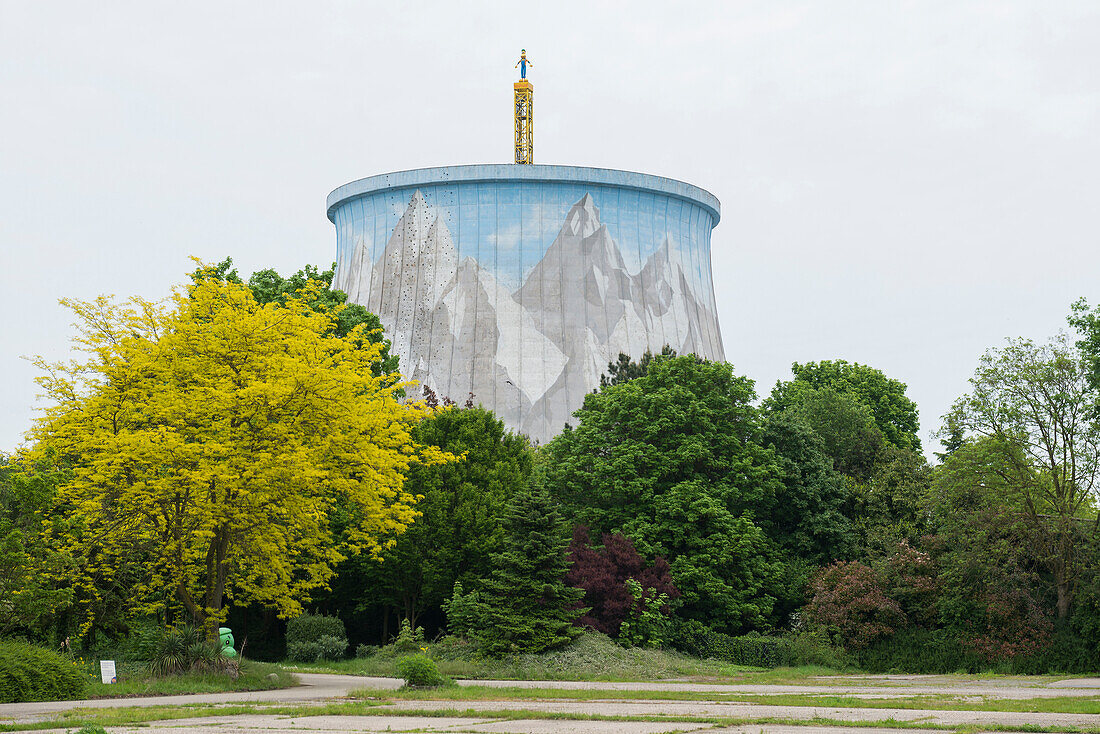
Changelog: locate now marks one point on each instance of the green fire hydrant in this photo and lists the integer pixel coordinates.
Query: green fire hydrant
(226, 636)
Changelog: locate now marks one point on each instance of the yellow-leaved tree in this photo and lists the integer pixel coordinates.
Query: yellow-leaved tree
(210, 442)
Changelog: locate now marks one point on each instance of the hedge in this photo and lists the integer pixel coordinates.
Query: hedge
(315, 637)
(32, 673)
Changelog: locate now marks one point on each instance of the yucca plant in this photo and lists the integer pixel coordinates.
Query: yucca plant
(182, 649)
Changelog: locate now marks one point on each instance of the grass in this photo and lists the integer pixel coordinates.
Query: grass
(591, 657)
(1062, 705)
(132, 716)
(136, 682)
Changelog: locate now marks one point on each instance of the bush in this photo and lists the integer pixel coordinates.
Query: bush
(803, 648)
(183, 649)
(420, 671)
(364, 650)
(312, 638)
(320, 650)
(32, 673)
(849, 601)
(409, 639)
(760, 652)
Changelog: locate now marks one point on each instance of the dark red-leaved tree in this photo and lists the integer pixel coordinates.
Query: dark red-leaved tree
(603, 572)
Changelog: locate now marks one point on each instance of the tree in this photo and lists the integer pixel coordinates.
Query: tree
(603, 573)
(211, 438)
(460, 526)
(1034, 402)
(1087, 323)
(672, 460)
(28, 564)
(314, 288)
(807, 520)
(525, 606)
(894, 414)
(991, 596)
(627, 369)
(845, 426)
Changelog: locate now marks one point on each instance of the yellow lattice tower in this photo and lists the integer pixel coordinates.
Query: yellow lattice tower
(525, 126)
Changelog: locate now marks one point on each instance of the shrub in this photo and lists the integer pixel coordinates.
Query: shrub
(312, 638)
(762, 652)
(463, 612)
(648, 624)
(849, 600)
(364, 650)
(325, 648)
(32, 673)
(183, 649)
(409, 639)
(420, 671)
(604, 574)
(312, 627)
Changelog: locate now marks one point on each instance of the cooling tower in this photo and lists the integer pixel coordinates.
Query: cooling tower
(520, 283)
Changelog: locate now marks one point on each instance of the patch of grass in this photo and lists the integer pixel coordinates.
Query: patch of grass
(254, 677)
(132, 716)
(589, 657)
(1061, 705)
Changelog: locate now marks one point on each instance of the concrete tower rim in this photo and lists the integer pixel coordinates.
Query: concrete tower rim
(533, 173)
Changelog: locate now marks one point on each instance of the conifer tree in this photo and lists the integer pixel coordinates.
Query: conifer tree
(525, 605)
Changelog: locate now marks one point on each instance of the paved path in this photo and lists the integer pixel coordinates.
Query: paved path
(484, 716)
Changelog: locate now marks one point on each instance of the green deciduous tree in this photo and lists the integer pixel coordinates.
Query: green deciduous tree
(673, 461)
(462, 506)
(29, 566)
(1033, 401)
(894, 414)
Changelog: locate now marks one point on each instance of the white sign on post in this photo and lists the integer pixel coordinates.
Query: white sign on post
(107, 671)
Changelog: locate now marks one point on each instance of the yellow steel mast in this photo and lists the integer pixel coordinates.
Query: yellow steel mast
(524, 110)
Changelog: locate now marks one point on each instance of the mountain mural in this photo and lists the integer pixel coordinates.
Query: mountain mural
(530, 355)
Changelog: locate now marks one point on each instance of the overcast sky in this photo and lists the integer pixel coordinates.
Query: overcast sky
(903, 184)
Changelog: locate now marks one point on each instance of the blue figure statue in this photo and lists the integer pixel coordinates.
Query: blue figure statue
(523, 63)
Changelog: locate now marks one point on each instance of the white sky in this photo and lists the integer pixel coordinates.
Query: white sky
(903, 184)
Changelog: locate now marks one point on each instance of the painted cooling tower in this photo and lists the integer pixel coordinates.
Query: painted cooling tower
(520, 283)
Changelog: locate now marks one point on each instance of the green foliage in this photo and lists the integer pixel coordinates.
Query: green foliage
(315, 637)
(525, 605)
(672, 460)
(91, 729)
(888, 506)
(462, 610)
(808, 520)
(268, 286)
(366, 651)
(893, 413)
(28, 564)
(408, 639)
(325, 647)
(1087, 323)
(32, 673)
(758, 650)
(311, 627)
(420, 671)
(1032, 401)
(646, 625)
(185, 649)
(845, 426)
(627, 369)
(459, 528)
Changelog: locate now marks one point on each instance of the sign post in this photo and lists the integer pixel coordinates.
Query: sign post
(107, 671)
